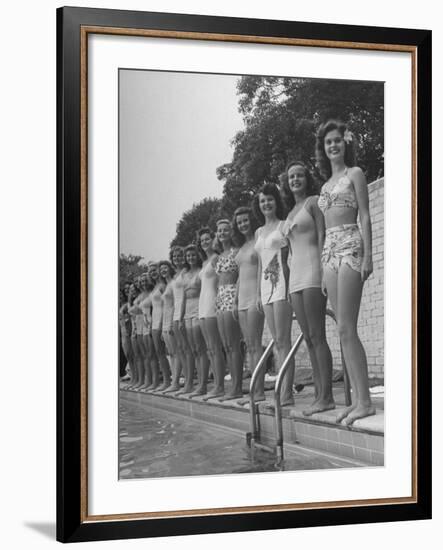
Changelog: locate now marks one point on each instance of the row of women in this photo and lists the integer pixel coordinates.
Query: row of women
(264, 265)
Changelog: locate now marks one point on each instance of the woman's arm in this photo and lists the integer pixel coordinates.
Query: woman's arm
(285, 267)
(319, 221)
(361, 192)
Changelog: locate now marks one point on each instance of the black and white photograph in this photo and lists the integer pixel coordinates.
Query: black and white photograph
(251, 273)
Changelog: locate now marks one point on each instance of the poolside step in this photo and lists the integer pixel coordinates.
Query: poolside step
(364, 441)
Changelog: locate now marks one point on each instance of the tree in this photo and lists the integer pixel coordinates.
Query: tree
(205, 212)
(281, 118)
(130, 267)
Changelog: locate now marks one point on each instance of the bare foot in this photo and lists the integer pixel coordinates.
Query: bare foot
(162, 387)
(359, 412)
(185, 390)
(171, 388)
(247, 400)
(214, 394)
(287, 402)
(198, 391)
(318, 407)
(230, 396)
(344, 413)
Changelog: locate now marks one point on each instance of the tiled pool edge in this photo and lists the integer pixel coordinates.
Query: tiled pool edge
(316, 433)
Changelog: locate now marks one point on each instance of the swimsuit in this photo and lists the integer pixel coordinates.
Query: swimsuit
(125, 324)
(273, 283)
(343, 243)
(157, 308)
(192, 286)
(178, 291)
(146, 305)
(247, 261)
(226, 294)
(304, 262)
(208, 293)
(338, 194)
(168, 307)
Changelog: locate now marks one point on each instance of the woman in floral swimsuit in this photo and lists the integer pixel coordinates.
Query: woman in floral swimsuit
(347, 253)
(273, 274)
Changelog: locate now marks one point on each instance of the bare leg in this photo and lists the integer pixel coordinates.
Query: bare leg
(201, 360)
(147, 361)
(163, 361)
(129, 354)
(190, 358)
(251, 323)
(349, 298)
(214, 346)
(143, 355)
(137, 358)
(279, 318)
(231, 335)
(298, 305)
(170, 342)
(153, 362)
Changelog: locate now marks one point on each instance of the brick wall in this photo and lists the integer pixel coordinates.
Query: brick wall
(371, 319)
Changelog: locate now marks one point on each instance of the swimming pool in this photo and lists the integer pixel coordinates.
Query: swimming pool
(155, 443)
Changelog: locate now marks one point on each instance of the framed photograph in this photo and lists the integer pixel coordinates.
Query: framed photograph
(244, 307)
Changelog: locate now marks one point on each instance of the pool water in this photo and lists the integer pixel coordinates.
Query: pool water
(155, 443)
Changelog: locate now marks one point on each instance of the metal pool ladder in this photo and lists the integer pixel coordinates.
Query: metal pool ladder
(253, 437)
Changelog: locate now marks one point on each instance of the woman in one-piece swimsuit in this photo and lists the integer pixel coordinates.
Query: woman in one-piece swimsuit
(207, 311)
(157, 319)
(194, 335)
(226, 304)
(250, 317)
(347, 253)
(167, 273)
(152, 376)
(184, 352)
(273, 274)
(136, 380)
(304, 230)
(125, 330)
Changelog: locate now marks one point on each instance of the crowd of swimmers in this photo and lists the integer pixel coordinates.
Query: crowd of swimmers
(284, 255)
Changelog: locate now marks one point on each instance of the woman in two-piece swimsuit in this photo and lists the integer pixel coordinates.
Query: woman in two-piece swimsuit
(250, 317)
(226, 307)
(184, 351)
(125, 330)
(273, 275)
(304, 229)
(167, 273)
(157, 319)
(207, 311)
(195, 338)
(347, 253)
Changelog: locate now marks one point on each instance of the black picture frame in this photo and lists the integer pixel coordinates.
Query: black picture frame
(72, 522)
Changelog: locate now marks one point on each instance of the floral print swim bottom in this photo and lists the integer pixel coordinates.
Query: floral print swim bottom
(343, 245)
(225, 300)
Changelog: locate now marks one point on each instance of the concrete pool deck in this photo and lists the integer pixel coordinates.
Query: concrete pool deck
(363, 441)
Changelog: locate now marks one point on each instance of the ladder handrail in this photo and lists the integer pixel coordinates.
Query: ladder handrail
(256, 373)
(279, 382)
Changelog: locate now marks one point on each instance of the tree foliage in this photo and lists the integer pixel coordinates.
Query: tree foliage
(130, 267)
(281, 117)
(205, 212)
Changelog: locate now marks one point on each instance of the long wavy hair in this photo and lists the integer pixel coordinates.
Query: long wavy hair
(323, 163)
(268, 189)
(311, 188)
(175, 249)
(239, 238)
(204, 231)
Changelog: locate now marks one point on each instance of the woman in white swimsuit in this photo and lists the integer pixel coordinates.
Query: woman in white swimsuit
(250, 317)
(207, 311)
(125, 331)
(304, 229)
(192, 285)
(347, 253)
(184, 349)
(157, 320)
(273, 275)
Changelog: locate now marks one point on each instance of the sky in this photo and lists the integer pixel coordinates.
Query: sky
(175, 130)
